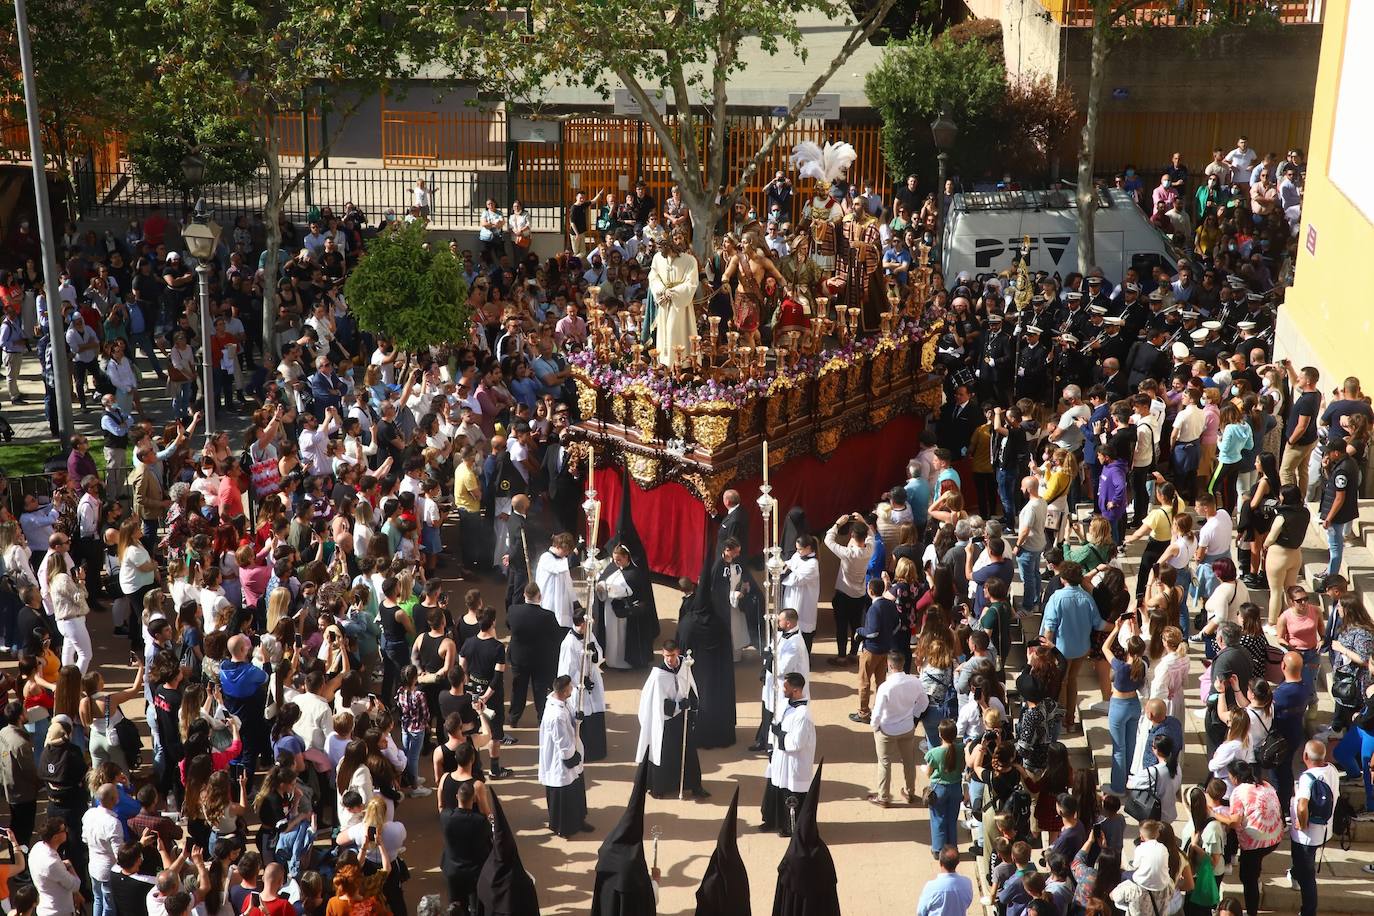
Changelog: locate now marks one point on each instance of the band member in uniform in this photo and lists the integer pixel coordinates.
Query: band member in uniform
(560, 763)
(1097, 292)
(1114, 345)
(1133, 311)
(1032, 367)
(793, 757)
(1147, 359)
(792, 657)
(1067, 363)
(1074, 318)
(993, 365)
(583, 665)
(665, 706)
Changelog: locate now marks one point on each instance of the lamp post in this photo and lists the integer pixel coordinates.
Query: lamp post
(201, 237)
(944, 132)
(61, 390)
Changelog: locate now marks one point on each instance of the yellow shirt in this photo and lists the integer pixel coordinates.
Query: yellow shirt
(981, 449)
(467, 489)
(1161, 520)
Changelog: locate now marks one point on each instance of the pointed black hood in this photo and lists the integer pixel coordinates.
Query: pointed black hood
(504, 887)
(626, 533)
(806, 875)
(724, 889)
(793, 526)
(623, 886)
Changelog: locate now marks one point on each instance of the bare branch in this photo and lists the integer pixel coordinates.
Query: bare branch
(862, 31)
(326, 144)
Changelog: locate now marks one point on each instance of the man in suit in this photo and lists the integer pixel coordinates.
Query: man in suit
(533, 652)
(326, 389)
(958, 419)
(515, 557)
(560, 470)
(1147, 359)
(733, 524)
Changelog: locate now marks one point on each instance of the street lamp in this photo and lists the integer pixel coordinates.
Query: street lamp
(201, 237)
(945, 132)
(193, 170)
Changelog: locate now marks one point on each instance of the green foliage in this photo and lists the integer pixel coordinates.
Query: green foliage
(231, 152)
(409, 292)
(919, 78)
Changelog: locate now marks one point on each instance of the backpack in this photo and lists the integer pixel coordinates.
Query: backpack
(1321, 802)
(1273, 749)
(1343, 822)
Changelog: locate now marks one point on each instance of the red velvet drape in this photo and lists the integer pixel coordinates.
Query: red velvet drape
(672, 522)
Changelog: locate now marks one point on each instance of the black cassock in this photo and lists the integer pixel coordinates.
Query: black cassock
(724, 889)
(806, 875)
(504, 888)
(704, 627)
(623, 884)
(639, 612)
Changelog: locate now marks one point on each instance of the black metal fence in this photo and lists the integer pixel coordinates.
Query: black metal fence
(456, 197)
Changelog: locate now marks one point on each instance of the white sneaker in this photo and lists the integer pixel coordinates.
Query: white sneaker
(1364, 817)
(1270, 630)
(421, 792)
(1368, 869)
(972, 824)
(1200, 713)
(1288, 876)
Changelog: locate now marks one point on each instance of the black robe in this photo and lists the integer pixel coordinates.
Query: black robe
(806, 875)
(504, 888)
(623, 884)
(793, 526)
(733, 524)
(724, 889)
(704, 627)
(641, 624)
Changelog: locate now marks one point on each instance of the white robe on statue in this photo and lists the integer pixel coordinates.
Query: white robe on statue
(557, 742)
(570, 663)
(791, 764)
(673, 281)
(555, 587)
(614, 587)
(661, 685)
(801, 589)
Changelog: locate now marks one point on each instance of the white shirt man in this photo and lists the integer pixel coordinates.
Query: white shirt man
(1306, 836)
(1188, 422)
(801, 586)
(313, 442)
(55, 880)
(900, 700)
(102, 833)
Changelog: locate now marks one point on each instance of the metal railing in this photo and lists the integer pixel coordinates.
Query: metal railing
(456, 196)
(1079, 13)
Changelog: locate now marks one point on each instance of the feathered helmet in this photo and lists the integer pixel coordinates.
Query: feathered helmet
(827, 166)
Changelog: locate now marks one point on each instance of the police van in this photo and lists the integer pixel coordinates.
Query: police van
(985, 229)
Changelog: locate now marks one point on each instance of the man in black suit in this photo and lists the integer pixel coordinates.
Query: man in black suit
(958, 419)
(733, 524)
(516, 555)
(565, 488)
(533, 652)
(1147, 359)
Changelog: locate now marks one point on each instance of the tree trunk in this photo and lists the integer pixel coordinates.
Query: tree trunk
(271, 213)
(705, 214)
(1087, 147)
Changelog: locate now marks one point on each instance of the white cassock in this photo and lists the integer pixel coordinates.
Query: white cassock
(661, 685)
(570, 663)
(555, 587)
(673, 282)
(801, 589)
(791, 764)
(557, 742)
(792, 656)
(739, 626)
(614, 587)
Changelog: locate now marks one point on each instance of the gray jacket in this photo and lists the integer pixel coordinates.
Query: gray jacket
(18, 769)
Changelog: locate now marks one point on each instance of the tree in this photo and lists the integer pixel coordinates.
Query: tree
(252, 63)
(916, 80)
(1038, 118)
(409, 292)
(81, 94)
(229, 147)
(689, 49)
(1115, 21)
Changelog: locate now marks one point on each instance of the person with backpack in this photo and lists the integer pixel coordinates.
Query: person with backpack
(1310, 816)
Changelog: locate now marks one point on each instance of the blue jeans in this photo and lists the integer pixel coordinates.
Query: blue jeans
(1028, 561)
(1335, 542)
(1352, 755)
(102, 904)
(944, 816)
(1006, 492)
(144, 342)
(1206, 579)
(395, 656)
(930, 721)
(414, 744)
(1123, 716)
(976, 790)
(184, 398)
(294, 845)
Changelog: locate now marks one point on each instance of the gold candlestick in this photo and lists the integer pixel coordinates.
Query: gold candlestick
(762, 354)
(714, 321)
(678, 352)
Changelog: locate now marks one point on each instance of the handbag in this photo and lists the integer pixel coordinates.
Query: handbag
(265, 474)
(1145, 804)
(1345, 687)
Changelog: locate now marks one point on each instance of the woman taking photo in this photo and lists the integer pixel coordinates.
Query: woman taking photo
(1123, 711)
(67, 594)
(1157, 531)
(1235, 439)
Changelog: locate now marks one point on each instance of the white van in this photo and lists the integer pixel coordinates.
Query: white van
(985, 229)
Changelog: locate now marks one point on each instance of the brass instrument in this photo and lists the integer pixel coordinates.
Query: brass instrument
(1087, 347)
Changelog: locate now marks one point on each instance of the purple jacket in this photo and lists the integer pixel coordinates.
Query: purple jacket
(1112, 488)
